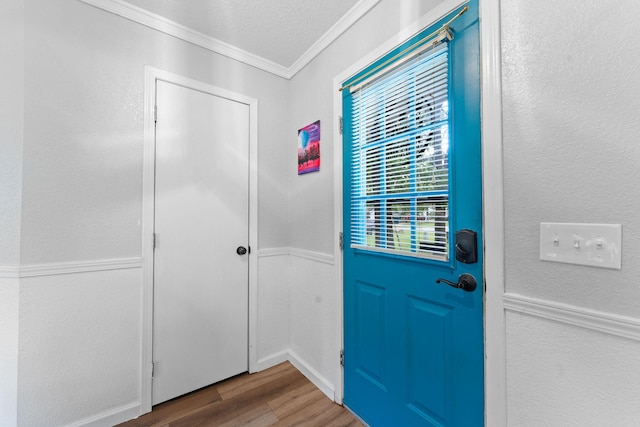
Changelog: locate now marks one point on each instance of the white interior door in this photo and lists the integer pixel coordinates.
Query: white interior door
(200, 291)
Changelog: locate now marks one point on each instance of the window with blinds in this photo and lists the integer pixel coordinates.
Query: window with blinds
(400, 167)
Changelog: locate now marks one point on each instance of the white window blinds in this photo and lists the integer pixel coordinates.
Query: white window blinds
(400, 167)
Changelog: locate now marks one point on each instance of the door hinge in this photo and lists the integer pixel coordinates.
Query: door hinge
(155, 114)
(342, 357)
(153, 368)
(340, 124)
(155, 240)
(341, 240)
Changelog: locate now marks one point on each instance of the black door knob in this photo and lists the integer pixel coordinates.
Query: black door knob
(241, 250)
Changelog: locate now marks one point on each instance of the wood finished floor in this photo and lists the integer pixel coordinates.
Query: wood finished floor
(279, 396)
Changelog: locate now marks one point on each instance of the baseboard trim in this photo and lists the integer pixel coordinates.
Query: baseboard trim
(312, 375)
(300, 364)
(271, 361)
(115, 416)
(36, 270)
(608, 323)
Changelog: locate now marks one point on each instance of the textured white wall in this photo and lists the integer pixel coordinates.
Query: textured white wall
(11, 113)
(314, 300)
(9, 307)
(313, 336)
(273, 311)
(80, 338)
(11, 126)
(79, 353)
(311, 91)
(563, 375)
(571, 129)
(84, 129)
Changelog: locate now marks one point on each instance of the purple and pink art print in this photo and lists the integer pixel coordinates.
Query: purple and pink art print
(309, 148)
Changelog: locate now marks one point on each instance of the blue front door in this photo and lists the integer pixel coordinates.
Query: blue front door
(414, 351)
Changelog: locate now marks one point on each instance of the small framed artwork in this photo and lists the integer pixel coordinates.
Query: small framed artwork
(309, 148)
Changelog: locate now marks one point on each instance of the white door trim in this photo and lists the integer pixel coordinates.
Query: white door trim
(493, 217)
(148, 205)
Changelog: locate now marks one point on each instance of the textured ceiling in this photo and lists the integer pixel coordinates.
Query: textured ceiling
(276, 30)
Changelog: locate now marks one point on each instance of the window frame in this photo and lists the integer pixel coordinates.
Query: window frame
(416, 197)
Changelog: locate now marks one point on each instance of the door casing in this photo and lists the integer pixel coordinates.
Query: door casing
(151, 76)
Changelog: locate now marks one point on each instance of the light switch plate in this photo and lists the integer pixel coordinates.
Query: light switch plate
(596, 245)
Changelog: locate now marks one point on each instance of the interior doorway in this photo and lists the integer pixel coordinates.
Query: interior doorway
(199, 224)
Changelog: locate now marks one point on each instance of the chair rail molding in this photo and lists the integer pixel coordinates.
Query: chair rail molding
(608, 323)
(9, 272)
(72, 267)
(298, 253)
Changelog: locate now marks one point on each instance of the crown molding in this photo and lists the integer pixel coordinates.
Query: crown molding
(350, 18)
(166, 26)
